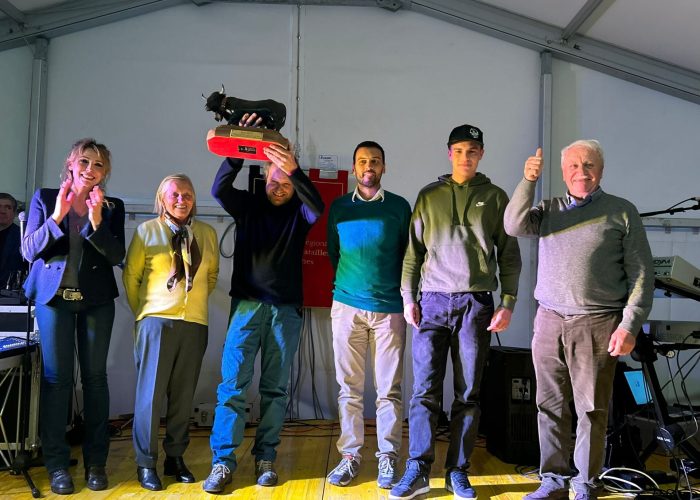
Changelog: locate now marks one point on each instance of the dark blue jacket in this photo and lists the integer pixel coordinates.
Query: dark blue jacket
(46, 246)
(269, 239)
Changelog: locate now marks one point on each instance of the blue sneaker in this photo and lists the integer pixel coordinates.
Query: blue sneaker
(218, 478)
(345, 471)
(388, 476)
(415, 481)
(457, 482)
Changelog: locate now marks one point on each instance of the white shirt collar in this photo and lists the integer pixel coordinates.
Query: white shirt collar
(379, 195)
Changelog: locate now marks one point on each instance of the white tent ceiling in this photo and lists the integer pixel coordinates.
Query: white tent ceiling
(663, 30)
(646, 41)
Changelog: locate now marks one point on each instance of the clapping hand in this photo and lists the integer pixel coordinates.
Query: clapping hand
(64, 201)
(94, 204)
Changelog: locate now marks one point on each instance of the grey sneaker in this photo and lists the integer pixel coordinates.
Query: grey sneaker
(457, 482)
(265, 472)
(218, 478)
(388, 475)
(345, 471)
(586, 496)
(414, 482)
(548, 490)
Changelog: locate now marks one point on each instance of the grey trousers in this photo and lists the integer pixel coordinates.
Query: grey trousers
(168, 356)
(571, 359)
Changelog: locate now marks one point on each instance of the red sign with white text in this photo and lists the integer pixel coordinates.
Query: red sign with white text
(316, 266)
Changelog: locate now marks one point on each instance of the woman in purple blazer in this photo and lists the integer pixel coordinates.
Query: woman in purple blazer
(74, 238)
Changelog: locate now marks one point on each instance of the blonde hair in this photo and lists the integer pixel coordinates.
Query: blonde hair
(159, 206)
(266, 169)
(79, 148)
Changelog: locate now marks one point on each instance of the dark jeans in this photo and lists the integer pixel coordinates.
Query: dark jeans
(571, 359)
(454, 322)
(62, 325)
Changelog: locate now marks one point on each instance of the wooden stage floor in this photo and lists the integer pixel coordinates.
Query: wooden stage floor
(307, 453)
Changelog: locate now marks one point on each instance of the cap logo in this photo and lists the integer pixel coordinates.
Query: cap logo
(474, 133)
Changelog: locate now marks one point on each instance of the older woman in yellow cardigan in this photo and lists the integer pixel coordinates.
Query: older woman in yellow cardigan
(171, 269)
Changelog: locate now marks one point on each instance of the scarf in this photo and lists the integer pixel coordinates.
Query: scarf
(186, 255)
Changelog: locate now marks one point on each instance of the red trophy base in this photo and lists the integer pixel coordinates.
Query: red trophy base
(243, 142)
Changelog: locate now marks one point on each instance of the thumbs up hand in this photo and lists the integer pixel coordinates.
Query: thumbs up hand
(533, 166)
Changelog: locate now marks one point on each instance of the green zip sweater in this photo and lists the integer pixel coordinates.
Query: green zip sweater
(457, 242)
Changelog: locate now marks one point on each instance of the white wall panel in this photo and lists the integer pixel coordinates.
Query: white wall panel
(16, 81)
(138, 88)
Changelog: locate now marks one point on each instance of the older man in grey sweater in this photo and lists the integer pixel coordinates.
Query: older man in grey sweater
(595, 285)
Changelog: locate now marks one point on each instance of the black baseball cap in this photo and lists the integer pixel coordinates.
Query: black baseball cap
(466, 133)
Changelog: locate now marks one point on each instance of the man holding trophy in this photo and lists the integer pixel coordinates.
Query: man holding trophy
(266, 298)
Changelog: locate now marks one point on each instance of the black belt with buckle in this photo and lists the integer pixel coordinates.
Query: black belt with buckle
(70, 294)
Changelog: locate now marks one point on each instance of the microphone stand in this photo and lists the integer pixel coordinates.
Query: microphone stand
(23, 458)
(670, 211)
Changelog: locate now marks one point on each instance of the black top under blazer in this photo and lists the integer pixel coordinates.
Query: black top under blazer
(46, 246)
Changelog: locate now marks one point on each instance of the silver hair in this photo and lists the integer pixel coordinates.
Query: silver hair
(590, 144)
(159, 204)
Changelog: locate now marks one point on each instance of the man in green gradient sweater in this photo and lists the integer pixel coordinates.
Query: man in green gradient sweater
(367, 237)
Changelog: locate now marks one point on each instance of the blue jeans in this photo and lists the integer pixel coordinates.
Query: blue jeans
(454, 322)
(62, 325)
(275, 331)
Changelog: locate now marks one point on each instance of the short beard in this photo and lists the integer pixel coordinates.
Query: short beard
(372, 182)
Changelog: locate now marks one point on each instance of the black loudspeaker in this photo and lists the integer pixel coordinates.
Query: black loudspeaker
(509, 413)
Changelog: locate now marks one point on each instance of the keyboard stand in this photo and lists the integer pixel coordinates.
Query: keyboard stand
(669, 433)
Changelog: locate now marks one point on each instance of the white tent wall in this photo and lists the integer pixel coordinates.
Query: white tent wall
(15, 78)
(649, 138)
(401, 78)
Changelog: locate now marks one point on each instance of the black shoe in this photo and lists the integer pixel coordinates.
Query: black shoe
(61, 482)
(96, 478)
(175, 466)
(149, 478)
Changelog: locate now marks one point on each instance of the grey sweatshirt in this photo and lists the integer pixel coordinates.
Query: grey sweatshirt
(593, 258)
